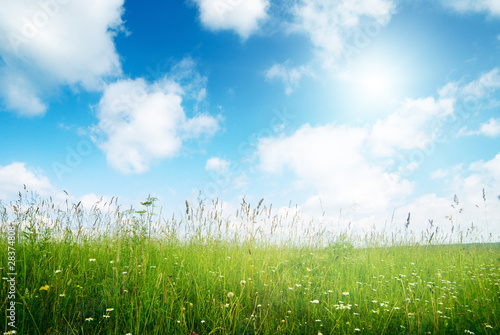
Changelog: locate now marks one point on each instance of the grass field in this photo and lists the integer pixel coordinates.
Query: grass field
(113, 271)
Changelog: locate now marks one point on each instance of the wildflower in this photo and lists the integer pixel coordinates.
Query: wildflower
(202, 321)
(44, 288)
(89, 319)
(320, 333)
(62, 295)
(128, 334)
(110, 309)
(230, 295)
(124, 273)
(315, 302)
(259, 306)
(345, 293)
(92, 260)
(357, 329)
(57, 271)
(243, 282)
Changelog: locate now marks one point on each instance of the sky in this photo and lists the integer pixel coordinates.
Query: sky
(354, 111)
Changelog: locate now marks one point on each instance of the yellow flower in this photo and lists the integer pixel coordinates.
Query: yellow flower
(44, 288)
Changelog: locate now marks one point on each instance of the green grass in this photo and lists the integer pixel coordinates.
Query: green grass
(251, 273)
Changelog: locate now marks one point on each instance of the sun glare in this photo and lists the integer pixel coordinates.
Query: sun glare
(376, 85)
(370, 86)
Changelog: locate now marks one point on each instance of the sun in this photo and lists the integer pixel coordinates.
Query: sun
(370, 86)
(376, 85)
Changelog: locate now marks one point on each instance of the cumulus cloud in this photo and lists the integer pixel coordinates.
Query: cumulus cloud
(242, 16)
(44, 44)
(335, 26)
(216, 164)
(288, 75)
(14, 177)
(333, 160)
(462, 6)
(144, 122)
(413, 126)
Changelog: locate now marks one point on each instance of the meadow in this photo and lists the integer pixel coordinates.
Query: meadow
(108, 270)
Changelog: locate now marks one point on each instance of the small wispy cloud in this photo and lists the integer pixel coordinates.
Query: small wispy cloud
(462, 6)
(288, 75)
(488, 129)
(216, 164)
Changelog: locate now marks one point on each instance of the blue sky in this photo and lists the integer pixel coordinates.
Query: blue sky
(384, 106)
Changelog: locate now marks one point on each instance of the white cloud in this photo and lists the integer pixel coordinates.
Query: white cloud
(413, 126)
(440, 174)
(202, 124)
(242, 16)
(473, 97)
(145, 122)
(335, 28)
(20, 95)
(480, 88)
(217, 164)
(56, 42)
(333, 161)
(288, 75)
(486, 84)
(462, 6)
(15, 176)
(491, 128)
